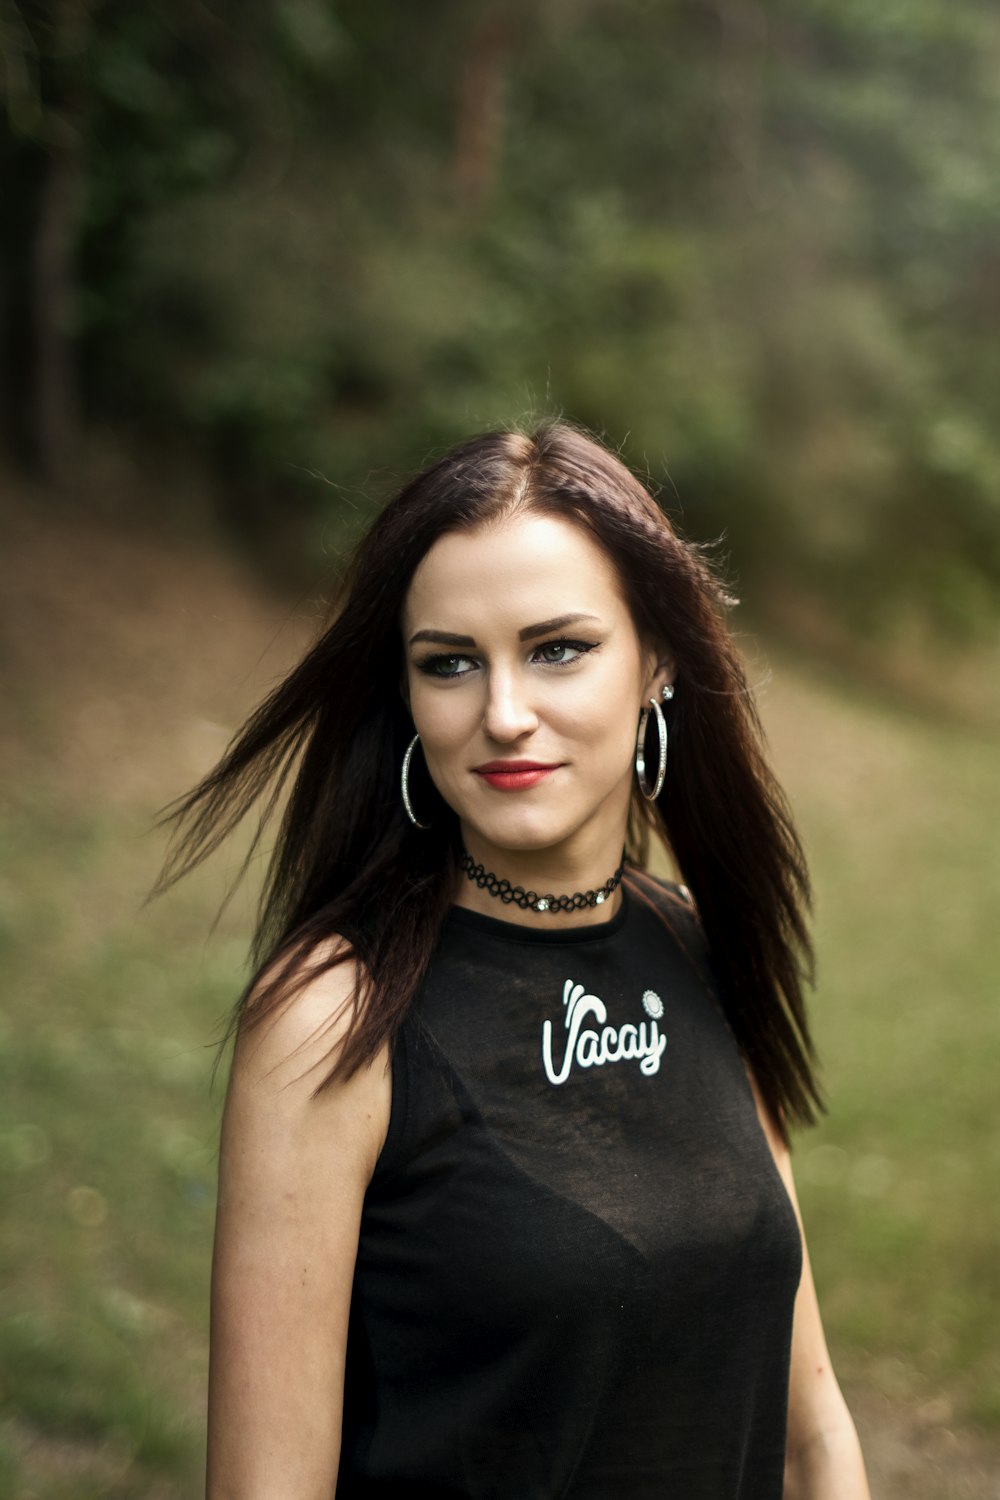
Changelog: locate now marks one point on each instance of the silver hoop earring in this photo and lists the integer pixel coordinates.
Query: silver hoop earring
(640, 751)
(404, 787)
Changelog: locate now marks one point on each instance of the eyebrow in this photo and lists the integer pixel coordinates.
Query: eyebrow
(446, 638)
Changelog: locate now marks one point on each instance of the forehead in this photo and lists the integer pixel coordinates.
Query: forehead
(523, 569)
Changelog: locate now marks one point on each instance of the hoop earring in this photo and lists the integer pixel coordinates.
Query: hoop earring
(640, 751)
(404, 787)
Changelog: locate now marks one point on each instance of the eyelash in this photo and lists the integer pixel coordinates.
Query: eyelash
(429, 663)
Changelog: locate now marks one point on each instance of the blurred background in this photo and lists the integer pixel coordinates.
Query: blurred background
(259, 261)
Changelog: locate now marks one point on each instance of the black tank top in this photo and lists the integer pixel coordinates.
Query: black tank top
(578, 1262)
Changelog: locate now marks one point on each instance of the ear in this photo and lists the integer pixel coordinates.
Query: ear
(661, 668)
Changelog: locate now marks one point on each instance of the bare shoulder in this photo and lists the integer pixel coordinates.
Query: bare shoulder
(279, 1062)
(294, 1167)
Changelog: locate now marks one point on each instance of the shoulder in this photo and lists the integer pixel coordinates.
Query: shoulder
(295, 1013)
(673, 905)
(657, 886)
(294, 1168)
(287, 1044)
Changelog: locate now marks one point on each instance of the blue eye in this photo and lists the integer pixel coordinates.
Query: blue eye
(452, 666)
(442, 666)
(579, 647)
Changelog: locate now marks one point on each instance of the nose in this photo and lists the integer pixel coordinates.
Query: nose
(509, 713)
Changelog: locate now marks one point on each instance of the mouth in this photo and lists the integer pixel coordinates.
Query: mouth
(516, 765)
(515, 775)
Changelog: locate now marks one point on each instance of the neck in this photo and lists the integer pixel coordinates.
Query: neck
(546, 872)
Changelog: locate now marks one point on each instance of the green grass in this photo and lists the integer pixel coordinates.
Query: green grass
(898, 1184)
(107, 1154)
(108, 1129)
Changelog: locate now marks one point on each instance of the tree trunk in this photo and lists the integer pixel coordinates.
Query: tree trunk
(481, 96)
(57, 421)
(54, 299)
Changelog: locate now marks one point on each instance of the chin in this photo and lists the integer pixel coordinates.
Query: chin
(524, 831)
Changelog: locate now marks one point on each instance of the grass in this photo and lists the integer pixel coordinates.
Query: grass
(107, 1152)
(900, 814)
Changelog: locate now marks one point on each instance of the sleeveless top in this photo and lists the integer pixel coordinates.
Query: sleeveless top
(577, 1262)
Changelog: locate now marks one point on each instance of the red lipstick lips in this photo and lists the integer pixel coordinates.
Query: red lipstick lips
(514, 775)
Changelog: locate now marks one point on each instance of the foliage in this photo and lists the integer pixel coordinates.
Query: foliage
(755, 245)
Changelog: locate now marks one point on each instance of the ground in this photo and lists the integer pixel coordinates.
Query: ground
(127, 662)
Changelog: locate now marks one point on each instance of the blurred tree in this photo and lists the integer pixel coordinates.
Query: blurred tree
(757, 244)
(113, 111)
(483, 79)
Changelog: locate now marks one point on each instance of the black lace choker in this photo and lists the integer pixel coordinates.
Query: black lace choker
(531, 900)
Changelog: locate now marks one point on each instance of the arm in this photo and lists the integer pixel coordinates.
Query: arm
(823, 1460)
(292, 1178)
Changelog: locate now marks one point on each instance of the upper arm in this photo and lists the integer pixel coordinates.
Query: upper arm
(815, 1402)
(292, 1177)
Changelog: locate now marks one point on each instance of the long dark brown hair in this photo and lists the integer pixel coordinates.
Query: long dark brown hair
(329, 740)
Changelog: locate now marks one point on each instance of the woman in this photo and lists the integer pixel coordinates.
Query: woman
(505, 1205)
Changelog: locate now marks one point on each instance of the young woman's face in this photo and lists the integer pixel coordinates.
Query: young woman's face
(520, 649)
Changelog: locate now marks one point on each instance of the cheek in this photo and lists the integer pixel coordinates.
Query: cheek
(599, 738)
(612, 735)
(445, 717)
(600, 707)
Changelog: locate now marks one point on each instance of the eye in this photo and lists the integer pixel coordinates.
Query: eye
(442, 666)
(551, 653)
(578, 648)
